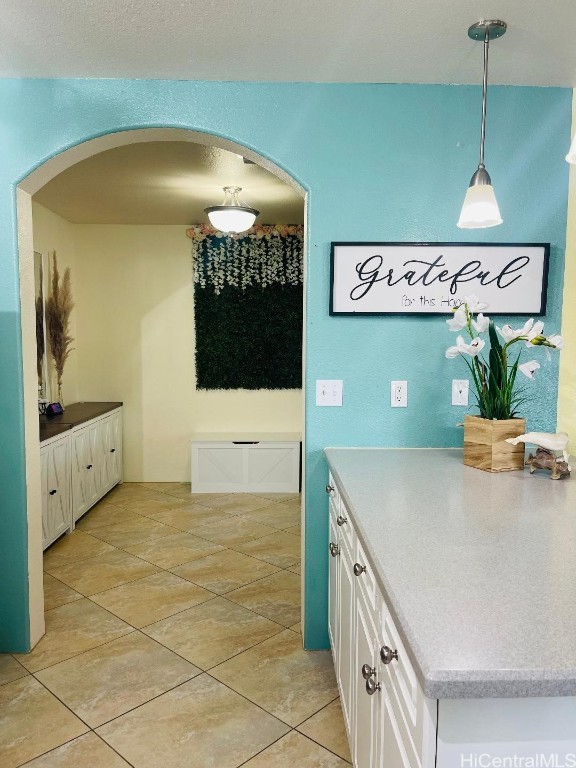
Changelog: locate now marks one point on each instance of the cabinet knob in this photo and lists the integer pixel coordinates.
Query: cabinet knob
(387, 654)
(329, 489)
(341, 520)
(334, 549)
(359, 569)
(53, 492)
(368, 671)
(89, 466)
(372, 686)
(112, 450)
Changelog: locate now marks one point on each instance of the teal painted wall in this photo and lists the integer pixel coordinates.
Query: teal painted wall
(381, 162)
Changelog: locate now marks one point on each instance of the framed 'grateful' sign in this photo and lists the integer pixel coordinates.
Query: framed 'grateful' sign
(431, 278)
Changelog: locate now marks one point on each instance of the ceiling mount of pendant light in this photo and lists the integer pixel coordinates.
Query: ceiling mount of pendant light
(480, 208)
(232, 216)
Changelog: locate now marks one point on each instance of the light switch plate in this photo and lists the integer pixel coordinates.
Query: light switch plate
(460, 391)
(399, 394)
(329, 392)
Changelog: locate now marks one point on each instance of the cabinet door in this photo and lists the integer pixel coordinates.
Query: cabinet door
(58, 518)
(367, 705)
(82, 478)
(104, 446)
(392, 752)
(346, 638)
(113, 448)
(94, 461)
(333, 596)
(44, 459)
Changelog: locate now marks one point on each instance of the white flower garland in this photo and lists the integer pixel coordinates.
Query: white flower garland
(262, 256)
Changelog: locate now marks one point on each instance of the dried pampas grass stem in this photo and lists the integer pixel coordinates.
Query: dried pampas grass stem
(59, 306)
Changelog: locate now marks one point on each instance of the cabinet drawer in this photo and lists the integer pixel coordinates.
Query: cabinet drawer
(365, 577)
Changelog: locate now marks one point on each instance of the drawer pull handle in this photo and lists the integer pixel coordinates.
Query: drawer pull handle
(89, 466)
(341, 520)
(329, 489)
(334, 549)
(368, 671)
(53, 492)
(112, 450)
(372, 686)
(387, 654)
(359, 569)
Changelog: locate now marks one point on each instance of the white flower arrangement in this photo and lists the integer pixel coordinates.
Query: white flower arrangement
(494, 379)
(263, 256)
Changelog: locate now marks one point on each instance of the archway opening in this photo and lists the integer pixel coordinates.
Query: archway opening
(34, 182)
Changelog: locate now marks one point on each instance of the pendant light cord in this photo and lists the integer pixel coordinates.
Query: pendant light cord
(484, 95)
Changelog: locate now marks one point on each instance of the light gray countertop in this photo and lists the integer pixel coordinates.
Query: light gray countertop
(478, 569)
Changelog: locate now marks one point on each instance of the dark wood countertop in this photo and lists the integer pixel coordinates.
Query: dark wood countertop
(73, 416)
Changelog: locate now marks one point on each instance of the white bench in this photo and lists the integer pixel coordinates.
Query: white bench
(246, 462)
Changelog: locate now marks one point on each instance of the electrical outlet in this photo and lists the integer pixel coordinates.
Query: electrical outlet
(460, 390)
(328, 392)
(399, 394)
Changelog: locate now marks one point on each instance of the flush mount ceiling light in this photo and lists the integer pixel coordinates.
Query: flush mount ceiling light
(480, 208)
(232, 216)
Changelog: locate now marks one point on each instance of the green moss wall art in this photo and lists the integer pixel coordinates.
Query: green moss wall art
(248, 307)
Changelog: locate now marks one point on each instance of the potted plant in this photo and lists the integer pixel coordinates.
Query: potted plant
(494, 369)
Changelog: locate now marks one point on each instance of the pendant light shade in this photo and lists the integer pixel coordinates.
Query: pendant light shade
(480, 208)
(571, 156)
(232, 216)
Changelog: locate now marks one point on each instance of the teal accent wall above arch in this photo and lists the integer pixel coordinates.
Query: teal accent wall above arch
(380, 162)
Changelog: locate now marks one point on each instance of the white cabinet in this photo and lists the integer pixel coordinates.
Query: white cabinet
(390, 724)
(96, 460)
(78, 468)
(55, 479)
(245, 463)
(389, 721)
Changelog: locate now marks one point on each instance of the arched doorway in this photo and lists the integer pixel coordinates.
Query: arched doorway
(25, 189)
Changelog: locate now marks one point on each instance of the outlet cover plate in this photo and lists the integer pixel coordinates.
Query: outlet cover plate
(399, 394)
(460, 391)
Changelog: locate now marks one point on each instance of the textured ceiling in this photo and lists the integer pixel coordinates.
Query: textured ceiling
(323, 41)
(165, 182)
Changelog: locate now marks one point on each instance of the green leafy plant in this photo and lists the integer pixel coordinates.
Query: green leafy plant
(498, 395)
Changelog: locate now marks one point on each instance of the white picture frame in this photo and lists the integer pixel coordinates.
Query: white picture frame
(392, 278)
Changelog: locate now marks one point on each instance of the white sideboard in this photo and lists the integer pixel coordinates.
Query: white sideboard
(79, 466)
(245, 462)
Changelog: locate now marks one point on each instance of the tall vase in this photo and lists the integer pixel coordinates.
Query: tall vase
(60, 396)
(485, 445)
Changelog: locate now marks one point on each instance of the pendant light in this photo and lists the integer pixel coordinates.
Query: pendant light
(232, 216)
(480, 208)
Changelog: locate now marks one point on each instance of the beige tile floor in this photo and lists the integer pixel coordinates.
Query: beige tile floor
(173, 640)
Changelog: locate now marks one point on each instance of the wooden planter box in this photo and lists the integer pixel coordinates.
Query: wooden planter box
(485, 445)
